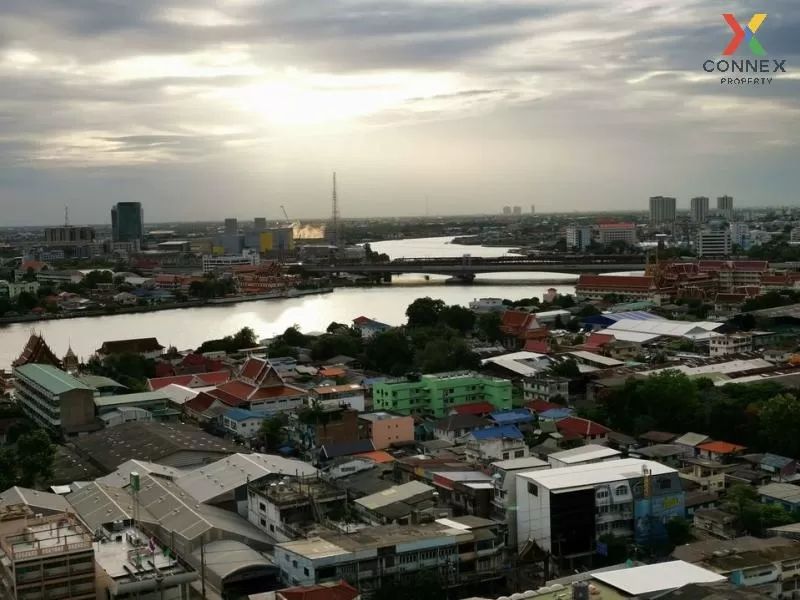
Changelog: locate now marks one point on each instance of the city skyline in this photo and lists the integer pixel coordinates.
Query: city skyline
(420, 106)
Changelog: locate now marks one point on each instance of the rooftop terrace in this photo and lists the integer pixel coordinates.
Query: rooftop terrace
(57, 534)
(285, 492)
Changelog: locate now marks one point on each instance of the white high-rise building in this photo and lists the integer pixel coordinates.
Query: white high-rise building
(725, 207)
(740, 234)
(579, 238)
(517, 210)
(712, 242)
(506, 210)
(699, 209)
(662, 210)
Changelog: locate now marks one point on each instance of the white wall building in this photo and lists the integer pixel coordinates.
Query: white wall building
(613, 232)
(351, 394)
(713, 242)
(725, 207)
(13, 290)
(737, 343)
(740, 234)
(578, 237)
(495, 443)
(212, 263)
(504, 480)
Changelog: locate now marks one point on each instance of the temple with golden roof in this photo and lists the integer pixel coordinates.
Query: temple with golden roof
(37, 351)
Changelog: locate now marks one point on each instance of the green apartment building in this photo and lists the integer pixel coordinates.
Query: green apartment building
(436, 395)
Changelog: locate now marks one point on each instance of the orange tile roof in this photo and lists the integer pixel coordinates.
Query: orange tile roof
(203, 379)
(278, 391)
(237, 389)
(721, 447)
(339, 591)
(252, 367)
(378, 456)
(620, 282)
(331, 372)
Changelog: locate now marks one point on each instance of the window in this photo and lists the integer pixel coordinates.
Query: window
(263, 522)
(519, 454)
(262, 507)
(602, 494)
(294, 564)
(621, 490)
(305, 571)
(533, 489)
(664, 483)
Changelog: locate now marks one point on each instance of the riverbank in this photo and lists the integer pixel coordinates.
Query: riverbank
(129, 310)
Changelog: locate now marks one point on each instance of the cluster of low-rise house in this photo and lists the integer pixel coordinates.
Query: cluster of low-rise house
(479, 475)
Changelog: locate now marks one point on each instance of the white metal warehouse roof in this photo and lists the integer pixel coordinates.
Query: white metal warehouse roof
(594, 473)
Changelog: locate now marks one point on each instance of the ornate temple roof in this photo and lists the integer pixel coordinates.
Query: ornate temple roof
(37, 351)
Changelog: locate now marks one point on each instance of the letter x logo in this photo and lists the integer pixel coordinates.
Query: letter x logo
(746, 34)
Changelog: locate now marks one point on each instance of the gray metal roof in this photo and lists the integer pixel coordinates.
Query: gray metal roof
(130, 399)
(397, 493)
(35, 499)
(98, 381)
(225, 557)
(121, 477)
(231, 472)
(98, 504)
(52, 379)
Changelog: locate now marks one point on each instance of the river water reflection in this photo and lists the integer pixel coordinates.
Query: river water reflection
(186, 328)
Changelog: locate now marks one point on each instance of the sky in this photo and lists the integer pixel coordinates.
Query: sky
(206, 109)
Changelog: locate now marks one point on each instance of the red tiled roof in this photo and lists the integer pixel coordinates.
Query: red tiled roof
(164, 369)
(516, 322)
(378, 456)
(598, 340)
(540, 406)
(237, 389)
(278, 391)
(32, 264)
(540, 346)
(227, 398)
(581, 427)
(339, 591)
(200, 403)
(620, 282)
(331, 372)
(721, 447)
(200, 379)
(474, 408)
(252, 368)
(361, 320)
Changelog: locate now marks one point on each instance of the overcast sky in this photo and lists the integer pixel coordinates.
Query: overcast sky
(203, 109)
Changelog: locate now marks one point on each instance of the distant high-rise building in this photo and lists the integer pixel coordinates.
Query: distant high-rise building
(579, 237)
(662, 210)
(533, 209)
(260, 224)
(740, 234)
(506, 210)
(68, 234)
(699, 209)
(517, 210)
(617, 232)
(714, 242)
(127, 222)
(231, 227)
(725, 207)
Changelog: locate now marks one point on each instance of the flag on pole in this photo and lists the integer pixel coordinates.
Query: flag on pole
(152, 545)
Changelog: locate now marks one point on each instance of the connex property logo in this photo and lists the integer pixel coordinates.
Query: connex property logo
(749, 71)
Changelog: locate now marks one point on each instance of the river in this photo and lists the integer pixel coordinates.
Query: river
(187, 328)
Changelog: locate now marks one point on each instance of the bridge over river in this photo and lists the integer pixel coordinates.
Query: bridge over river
(467, 267)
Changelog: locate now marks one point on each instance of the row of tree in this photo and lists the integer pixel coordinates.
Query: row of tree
(761, 416)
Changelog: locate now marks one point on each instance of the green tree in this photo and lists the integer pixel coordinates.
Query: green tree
(8, 467)
(272, 432)
(489, 327)
(671, 399)
(440, 355)
(458, 318)
(679, 531)
(568, 368)
(280, 348)
(420, 585)
(35, 454)
(425, 312)
(330, 345)
(26, 302)
(779, 420)
(389, 352)
(293, 337)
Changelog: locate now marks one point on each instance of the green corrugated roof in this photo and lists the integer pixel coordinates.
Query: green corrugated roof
(98, 381)
(130, 399)
(53, 380)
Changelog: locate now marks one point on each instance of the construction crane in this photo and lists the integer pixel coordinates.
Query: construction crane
(285, 215)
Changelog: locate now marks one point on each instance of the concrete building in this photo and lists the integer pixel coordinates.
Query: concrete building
(385, 429)
(310, 430)
(617, 232)
(287, 508)
(242, 422)
(662, 210)
(545, 387)
(506, 210)
(579, 238)
(713, 242)
(55, 400)
(127, 222)
(405, 504)
(231, 227)
(737, 343)
(375, 553)
(504, 480)
(13, 290)
(45, 557)
(740, 235)
(699, 209)
(517, 210)
(725, 207)
(564, 511)
(436, 395)
(66, 235)
(350, 394)
(226, 261)
(495, 443)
